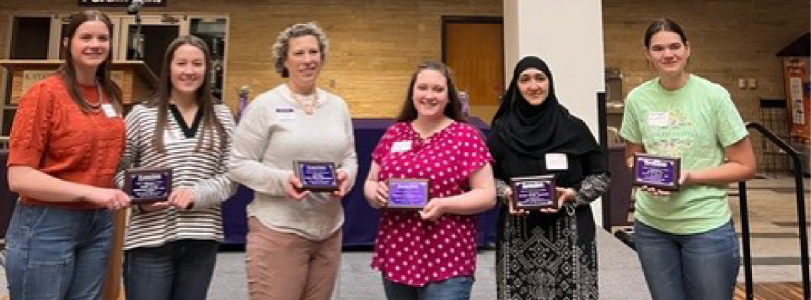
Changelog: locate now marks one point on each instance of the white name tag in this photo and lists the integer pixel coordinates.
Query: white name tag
(658, 119)
(109, 111)
(168, 136)
(556, 161)
(285, 113)
(401, 146)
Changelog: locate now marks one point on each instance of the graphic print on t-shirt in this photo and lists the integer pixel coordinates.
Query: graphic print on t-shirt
(673, 138)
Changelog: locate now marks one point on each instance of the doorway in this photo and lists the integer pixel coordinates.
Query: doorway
(473, 47)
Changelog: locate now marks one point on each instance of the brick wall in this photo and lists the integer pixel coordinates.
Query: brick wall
(375, 44)
(731, 39)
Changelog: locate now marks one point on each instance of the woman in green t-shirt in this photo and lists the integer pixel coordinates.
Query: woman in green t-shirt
(685, 238)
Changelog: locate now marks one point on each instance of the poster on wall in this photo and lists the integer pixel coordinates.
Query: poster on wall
(120, 3)
(798, 95)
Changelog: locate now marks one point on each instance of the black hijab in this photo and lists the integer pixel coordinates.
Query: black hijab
(536, 130)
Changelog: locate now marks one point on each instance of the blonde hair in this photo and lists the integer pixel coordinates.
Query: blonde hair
(282, 44)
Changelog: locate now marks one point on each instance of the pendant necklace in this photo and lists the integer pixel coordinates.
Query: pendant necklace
(307, 103)
(95, 106)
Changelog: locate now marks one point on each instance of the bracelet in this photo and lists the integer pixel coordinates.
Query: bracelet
(501, 188)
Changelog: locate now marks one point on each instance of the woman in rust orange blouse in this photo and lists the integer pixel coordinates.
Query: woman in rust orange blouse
(65, 144)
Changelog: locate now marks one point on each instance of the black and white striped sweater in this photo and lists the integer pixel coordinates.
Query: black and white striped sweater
(203, 172)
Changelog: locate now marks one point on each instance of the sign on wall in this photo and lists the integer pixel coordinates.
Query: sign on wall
(32, 76)
(798, 92)
(120, 3)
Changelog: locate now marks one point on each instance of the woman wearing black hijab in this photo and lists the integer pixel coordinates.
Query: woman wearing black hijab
(549, 253)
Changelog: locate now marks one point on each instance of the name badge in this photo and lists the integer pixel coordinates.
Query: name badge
(556, 161)
(109, 110)
(401, 146)
(285, 113)
(658, 119)
(168, 136)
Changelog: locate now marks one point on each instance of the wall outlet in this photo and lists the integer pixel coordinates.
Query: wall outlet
(741, 83)
(752, 83)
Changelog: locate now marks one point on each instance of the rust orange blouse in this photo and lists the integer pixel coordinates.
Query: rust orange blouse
(51, 134)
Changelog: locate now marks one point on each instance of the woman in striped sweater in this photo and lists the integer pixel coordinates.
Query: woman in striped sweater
(171, 246)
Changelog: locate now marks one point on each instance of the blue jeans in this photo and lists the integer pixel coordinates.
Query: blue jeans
(697, 266)
(56, 253)
(176, 270)
(455, 288)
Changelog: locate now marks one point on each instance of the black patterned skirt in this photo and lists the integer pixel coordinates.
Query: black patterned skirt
(547, 256)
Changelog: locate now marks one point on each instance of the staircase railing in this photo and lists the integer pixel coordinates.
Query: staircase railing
(801, 219)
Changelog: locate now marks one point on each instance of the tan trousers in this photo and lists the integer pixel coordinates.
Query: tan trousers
(284, 266)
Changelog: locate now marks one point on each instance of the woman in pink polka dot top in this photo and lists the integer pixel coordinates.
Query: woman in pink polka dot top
(430, 253)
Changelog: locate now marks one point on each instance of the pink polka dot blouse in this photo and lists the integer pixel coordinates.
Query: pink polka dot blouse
(409, 250)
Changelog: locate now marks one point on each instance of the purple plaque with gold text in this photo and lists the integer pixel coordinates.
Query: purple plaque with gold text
(657, 171)
(408, 194)
(534, 192)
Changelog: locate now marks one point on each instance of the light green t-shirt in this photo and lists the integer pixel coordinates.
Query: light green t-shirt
(694, 123)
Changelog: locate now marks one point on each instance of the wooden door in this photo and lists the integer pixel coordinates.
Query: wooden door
(473, 47)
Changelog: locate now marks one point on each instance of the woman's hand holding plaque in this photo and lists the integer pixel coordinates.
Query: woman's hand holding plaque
(381, 197)
(343, 184)
(292, 187)
(182, 198)
(110, 198)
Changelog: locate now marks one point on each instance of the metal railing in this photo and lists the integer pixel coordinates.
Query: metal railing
(801, 221)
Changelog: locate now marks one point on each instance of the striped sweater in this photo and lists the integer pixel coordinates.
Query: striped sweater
(203, 172)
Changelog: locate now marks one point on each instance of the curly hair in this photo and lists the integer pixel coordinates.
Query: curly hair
(282, 44)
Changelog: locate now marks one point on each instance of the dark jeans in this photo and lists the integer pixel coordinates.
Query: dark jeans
(177, 270)
(455, 288)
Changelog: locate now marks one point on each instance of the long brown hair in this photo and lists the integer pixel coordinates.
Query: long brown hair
(204, 99)
(454, 108)
(68, 70)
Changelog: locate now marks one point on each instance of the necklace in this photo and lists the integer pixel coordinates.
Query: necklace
(96, 105)
(307, 103)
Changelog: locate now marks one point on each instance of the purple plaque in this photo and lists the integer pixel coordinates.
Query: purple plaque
(148, 185)
(657, 171)
(408, 194)
(534, 192)
(317, 176)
